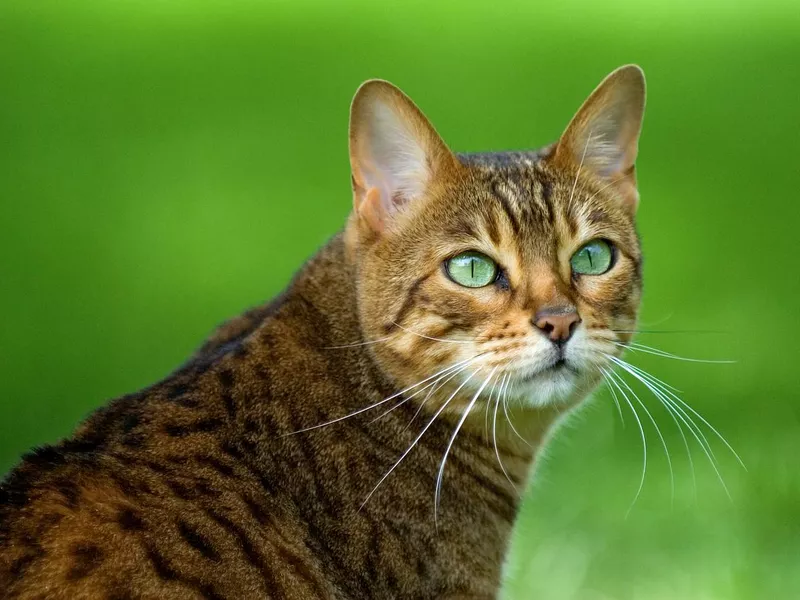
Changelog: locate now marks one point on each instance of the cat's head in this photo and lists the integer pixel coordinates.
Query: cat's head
(525, 266)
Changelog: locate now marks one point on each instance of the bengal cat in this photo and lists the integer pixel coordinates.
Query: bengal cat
(343, 441)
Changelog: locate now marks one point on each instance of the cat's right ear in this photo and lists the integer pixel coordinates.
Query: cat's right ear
(395, 153)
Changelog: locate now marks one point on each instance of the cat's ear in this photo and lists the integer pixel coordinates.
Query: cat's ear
(395, 152)
(603, 137)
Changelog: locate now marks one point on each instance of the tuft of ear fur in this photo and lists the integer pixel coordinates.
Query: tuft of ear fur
(394, 152)
(603, 136)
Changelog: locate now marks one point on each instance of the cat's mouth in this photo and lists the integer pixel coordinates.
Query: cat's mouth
(560, 366)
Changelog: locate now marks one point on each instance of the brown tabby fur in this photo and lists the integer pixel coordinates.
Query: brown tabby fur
(200, 487)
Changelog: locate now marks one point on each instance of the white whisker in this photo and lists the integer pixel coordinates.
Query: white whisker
(355, 344)
(666, 397)
(658, 432)
(419, 391)
(379, 403)
(656, 352)
(510, 422)
(486, 412)
(417, 439)
(613, 396)
(440, 384)
(644, 441)
(679, 331)
(506, 380)
(665, 386)
(435, 339)
(671, 411)
(464, 416)
(688, 424)
(663, 395)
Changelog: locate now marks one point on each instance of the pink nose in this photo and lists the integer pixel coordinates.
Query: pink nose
(558, 324)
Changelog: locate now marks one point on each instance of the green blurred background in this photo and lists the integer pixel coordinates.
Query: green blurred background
(164, 165)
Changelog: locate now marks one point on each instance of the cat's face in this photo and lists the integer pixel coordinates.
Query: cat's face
(517, 271)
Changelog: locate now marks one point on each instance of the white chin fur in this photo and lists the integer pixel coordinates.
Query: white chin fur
(547, 388)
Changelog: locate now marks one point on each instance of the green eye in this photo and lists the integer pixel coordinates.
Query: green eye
(471, 269)
(593, 259)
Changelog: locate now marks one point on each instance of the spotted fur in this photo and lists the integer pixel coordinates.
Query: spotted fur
(219, 482)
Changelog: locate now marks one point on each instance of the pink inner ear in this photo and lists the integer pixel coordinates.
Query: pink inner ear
(394, 152)
(372, 210)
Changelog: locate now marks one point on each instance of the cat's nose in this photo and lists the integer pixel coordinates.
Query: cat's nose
(558, 323)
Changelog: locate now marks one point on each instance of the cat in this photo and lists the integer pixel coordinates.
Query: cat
(343, 441)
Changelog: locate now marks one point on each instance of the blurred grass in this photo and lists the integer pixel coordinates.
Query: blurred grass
(165, 164)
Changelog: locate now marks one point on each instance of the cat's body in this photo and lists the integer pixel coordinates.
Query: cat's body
(190, 488)
(219, 481)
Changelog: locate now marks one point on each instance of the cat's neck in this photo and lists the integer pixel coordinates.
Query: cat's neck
(307, 364)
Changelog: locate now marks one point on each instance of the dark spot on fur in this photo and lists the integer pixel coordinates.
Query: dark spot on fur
(232, 450)
(160, 565)
(505, 203)
(130, 421)
(126, 486)
(188, 402)
(226, 378)
(87, 557)
(572, 224)
(208, 425)
(246, 545)
(166, 572)
(217, 465)
(230, 404)
(18, 567)
(47, 522)
(181, 490)
(202, 366)
(258, 513)
(493, 230)
(209, 593)
(154, 466)
(177, 391)
(13, 496)
(197, 541)
(45, 457)
(204, 489)
(597, 216)
(204, 426)
(82, 446)
(173, 430)
(69, 490)
(547, 189)
(134, 440)
(129, 520)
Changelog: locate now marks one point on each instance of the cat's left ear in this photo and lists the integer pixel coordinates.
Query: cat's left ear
(395, 153)
(603, 137)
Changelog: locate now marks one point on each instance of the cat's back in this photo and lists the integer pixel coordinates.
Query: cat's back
(158, 493)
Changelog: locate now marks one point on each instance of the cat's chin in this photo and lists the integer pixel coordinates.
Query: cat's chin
(558, 384)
